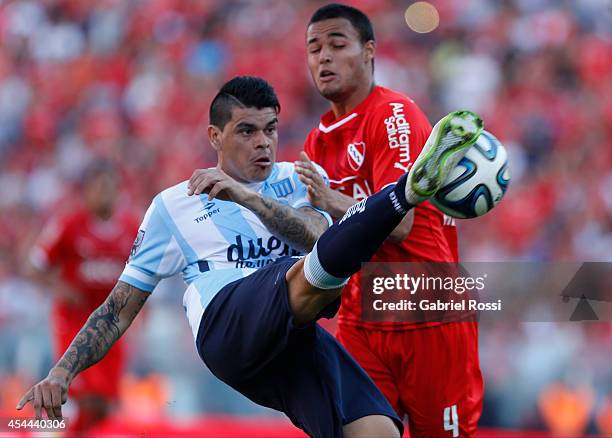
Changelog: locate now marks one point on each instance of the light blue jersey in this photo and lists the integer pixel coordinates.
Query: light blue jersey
(212, 243)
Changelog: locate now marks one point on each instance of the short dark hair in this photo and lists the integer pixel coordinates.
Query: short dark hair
(242, 92)
(98, 167)
(358, 19)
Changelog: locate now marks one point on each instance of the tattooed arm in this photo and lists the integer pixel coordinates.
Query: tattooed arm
(105, 325)
(298, 227)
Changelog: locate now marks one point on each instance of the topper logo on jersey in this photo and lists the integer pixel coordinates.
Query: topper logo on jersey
(356, 154)
(257, 250)
(398, 135)
(208, 208)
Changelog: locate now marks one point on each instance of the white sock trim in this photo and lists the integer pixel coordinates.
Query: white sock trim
(317, 276)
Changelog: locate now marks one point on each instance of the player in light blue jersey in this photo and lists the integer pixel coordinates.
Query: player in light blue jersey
(234, 232)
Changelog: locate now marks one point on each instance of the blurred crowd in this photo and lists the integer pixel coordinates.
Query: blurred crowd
(132, 80)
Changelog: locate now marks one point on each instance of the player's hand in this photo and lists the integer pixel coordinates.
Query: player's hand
(48, 394)
(319, 194)
(217, 184)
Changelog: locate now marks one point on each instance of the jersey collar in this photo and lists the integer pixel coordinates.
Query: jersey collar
(328, 121)
(259, 186)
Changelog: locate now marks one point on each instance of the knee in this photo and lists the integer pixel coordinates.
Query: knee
(306, 300)
(370, 426)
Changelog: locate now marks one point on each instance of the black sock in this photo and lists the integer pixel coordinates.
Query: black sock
(355, 238)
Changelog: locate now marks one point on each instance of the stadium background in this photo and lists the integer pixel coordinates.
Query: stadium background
(132, 80)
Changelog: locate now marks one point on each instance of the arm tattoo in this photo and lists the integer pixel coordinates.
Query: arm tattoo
(104, 326)
(297, 227)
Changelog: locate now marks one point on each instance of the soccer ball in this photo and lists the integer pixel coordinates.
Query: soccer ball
(478, 182)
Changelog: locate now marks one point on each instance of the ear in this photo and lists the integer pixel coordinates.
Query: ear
(369, 50)
(214, 136)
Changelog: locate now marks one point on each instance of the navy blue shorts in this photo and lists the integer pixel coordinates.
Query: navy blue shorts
(248, 340)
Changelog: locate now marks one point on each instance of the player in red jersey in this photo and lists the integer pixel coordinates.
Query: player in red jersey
(80, 255)
(370, 137)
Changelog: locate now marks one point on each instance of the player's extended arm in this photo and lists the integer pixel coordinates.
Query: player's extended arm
(336, 203)
(103, 327)
(298, 227)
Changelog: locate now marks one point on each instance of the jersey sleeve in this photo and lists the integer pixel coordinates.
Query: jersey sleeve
(51, 245)
(155, 253)
(299, 197)
(396, 131)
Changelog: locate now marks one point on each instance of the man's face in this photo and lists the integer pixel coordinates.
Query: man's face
(337, 60)
(247, 145)
(101, 191)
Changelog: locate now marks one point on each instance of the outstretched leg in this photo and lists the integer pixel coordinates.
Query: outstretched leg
(317, 280)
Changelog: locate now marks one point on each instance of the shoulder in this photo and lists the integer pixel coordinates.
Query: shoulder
(313, 134)
(61, 228)
(393, 110)
(174, 201)
(391, 102)
(127, 218)
(388, 95)
(172, 194)
(72, 219)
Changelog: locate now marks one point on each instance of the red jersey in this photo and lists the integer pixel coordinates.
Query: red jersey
(366, 150)
(90, 255)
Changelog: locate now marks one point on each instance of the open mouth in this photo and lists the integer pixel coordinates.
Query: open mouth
(326, 75)
(263, 162)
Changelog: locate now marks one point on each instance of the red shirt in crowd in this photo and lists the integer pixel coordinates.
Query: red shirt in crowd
(89, 255)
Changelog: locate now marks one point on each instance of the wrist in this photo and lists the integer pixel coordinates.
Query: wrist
(326, 200)
(61, 374)
(338, 203)
(249, 198)
(240, 194)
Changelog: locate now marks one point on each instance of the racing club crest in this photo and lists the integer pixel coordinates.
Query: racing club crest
(356, 154)
(282, 188)
(137, 243)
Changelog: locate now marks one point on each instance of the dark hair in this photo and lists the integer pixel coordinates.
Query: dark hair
(98, 167)
(358, 19)
(243, 92)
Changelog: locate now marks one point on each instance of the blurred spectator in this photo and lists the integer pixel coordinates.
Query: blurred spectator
(79, 255)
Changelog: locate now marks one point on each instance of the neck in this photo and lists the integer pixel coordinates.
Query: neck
(228, 171)
(103, 213)
(345, 105)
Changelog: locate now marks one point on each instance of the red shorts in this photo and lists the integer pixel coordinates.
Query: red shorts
(102, 379)
(431, 374)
